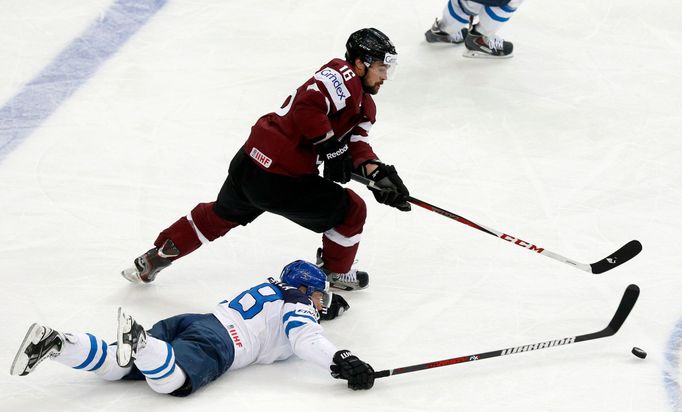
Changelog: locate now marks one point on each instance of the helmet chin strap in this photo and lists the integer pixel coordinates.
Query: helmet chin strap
(365, 65)
(362, 78)
(366, 68)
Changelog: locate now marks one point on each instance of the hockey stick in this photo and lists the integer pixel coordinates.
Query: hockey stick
(617, 258)
(624, 308)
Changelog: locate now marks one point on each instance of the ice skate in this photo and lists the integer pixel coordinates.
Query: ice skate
(40, 343)
(492, 47)
(436, 35)
(130, 338)
(147, 266)
(352, 280)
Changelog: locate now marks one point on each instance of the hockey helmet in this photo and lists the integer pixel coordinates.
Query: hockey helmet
(370, 45)
(302, 273)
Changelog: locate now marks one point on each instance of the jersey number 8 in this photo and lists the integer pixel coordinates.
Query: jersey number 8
(250, 302)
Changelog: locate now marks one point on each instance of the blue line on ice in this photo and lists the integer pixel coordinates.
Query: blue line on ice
(79, 61)
(671, 368)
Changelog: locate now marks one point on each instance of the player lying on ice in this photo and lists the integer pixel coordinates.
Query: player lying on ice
(269, 322)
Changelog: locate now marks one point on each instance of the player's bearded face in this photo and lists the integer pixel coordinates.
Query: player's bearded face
(374, 77)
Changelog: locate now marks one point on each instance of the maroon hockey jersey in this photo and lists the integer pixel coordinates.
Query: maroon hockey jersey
(331, 100)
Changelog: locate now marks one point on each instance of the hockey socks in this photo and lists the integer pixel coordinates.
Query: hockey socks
(187, 234)
(200, 226)
(86, 352)
(156, 361)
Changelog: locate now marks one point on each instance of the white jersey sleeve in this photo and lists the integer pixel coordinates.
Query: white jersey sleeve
(305, 334)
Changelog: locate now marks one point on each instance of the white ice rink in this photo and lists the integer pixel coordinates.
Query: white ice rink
(119, 116)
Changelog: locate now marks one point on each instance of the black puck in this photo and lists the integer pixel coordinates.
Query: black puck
(638, 352)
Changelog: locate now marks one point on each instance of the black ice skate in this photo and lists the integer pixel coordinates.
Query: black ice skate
(480, 46)
(436, 35)
(147, 266)
(40, 343)
(130, 338)
(352, 280)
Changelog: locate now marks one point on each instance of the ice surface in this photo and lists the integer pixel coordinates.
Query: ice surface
(573, 145)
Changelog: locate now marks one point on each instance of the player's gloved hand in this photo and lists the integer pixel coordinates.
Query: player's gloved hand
(335, 154)
(359, 374)
(391, 189)
(336, 308)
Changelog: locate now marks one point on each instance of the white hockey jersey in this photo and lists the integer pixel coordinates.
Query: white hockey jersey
(271, 322)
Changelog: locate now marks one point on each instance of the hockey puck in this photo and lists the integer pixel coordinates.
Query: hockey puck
(638, 352)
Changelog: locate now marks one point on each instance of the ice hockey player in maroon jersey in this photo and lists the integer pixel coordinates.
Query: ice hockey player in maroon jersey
(325, 120)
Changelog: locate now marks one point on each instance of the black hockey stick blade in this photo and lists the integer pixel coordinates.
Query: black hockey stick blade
(626, 304)
(617, 258)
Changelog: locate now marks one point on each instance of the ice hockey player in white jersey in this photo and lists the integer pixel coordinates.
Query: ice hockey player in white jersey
(481, 39)
(269, 322)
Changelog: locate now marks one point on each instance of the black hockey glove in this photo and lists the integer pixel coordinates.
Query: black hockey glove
(359, 374)
(391, 190)
(335, 154)
(336, 308)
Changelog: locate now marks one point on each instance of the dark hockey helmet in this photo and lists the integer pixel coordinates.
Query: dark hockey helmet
(302, 273)
(370, 45)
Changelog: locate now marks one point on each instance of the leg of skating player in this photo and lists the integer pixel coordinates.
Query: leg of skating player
(340, 245)
(201, 225)
(81, 351)
(482, 40)
(452, 26)
(205, 223)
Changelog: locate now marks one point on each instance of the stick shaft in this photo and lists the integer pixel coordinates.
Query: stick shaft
(625, 306)
(622, 255)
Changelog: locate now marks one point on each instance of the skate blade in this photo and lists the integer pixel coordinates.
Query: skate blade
(345, 287)
(20, 363)
(482, 55)
(131, 275)
(435, 39)
(124, 351)
(341, 287)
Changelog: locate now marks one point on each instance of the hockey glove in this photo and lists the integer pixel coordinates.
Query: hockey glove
(359, 374)
(335, 154)
(391, 190)
(336, 308)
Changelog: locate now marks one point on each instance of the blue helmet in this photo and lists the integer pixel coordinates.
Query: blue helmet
(302, 273)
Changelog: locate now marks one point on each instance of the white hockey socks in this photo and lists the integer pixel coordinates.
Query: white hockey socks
(456, 15)
(86, 352)
(156, 361)
(492, 18)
